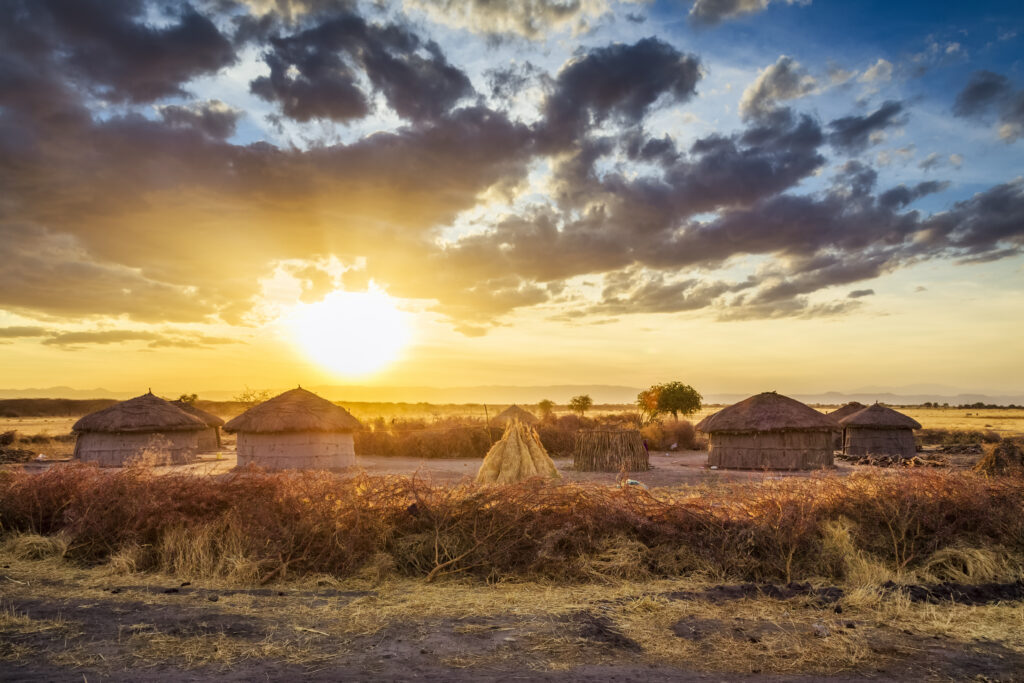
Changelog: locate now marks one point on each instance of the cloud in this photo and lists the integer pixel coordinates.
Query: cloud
(859, 293)
(853, 134)
(531, 19)
(113, 48)
(987, 93)
(711, 12)
(783, 80)
(212, 118)
(315, 73)
(17, 332)
(77, 339)
(617, 81)
(879, 72)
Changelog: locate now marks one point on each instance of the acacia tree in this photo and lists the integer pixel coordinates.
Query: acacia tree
(647, 402)
(676, 397)
(546, 408)
(188, 398)
(580, 404)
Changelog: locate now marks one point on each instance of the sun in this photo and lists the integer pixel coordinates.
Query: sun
(351, 333)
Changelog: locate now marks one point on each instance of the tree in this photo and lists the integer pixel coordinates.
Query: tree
(580, 404)
(676, 397)
(546, 408)
(188, 398)
(251, 397)
(647, 401)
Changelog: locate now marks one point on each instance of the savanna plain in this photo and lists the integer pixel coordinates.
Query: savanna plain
(404, 569)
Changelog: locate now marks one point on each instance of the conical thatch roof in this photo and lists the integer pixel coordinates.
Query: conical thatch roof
(517, 456)
(514, 412)
(767, 412)
(880, 417)
(146, 413)
(210, 419)
(297, 410)
(849, 409)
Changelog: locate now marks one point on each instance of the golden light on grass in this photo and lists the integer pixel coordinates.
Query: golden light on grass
(351, 333)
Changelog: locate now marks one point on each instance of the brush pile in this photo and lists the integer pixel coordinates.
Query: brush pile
(610, 450)
(519, 455)
(1005, 457)
(892, 461)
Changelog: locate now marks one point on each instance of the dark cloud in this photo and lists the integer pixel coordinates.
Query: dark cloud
(109, 45)
(858, 293)
(901, 196)
(618, 81)
(783, 80)
(157, 340)
(853, 134)
(986, 93)
(213, 118)
(315, 73)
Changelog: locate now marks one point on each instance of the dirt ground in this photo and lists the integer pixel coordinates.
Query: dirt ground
(667, 469)
(59, 622)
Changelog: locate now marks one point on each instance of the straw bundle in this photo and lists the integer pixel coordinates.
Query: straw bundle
(517, 456)
(607, 450)
(1005, 457)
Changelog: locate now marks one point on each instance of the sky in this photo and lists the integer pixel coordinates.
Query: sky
(796, 195)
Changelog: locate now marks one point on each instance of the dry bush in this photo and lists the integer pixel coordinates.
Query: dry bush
(256, 527)
(671, 435)
(955, 437)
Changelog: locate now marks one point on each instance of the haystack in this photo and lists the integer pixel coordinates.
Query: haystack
(142, 429)
(610, 450)
(517, 456)
(878, 430)
(295, 430)
(514, 412)
(769, 431)
(838, 414)
(209, 438)
(1005, 457)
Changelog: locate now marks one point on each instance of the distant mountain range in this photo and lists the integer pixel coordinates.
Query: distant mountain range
(560, 393)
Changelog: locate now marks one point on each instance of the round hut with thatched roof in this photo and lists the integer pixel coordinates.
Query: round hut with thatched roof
(769, 431)
(142, 429)
(209, 438)
(514, 412)
(879, 430)
(295, 430)
(841, 412)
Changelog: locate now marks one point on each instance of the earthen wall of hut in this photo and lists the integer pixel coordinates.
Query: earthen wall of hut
(296, 450)
(150, 448)
(770, 450)
(209, 439)
(892, 442)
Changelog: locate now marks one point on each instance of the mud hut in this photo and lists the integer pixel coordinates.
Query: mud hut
(209, 438)
(838, 414)
(878, 430)
(769, 431)
(295, 430)
(142, 429)
(610, 450)
(517, 456)
(514, 412)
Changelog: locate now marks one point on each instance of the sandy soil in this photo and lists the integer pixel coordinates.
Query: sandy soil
(667, 469)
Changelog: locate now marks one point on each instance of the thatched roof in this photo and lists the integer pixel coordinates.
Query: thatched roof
(297, 410)
(210, 419)
(767, 412)
(880, 417)
(514, 412)
(849, 409)
(146, 413)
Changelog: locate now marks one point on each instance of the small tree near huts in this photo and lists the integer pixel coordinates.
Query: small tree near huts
(676, 398)
(580, 404)
(546, 408)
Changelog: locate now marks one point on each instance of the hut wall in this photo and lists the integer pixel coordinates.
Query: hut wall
(771, 450)
(892, 442)
(296, 450)
(151, 448)
(209, 439)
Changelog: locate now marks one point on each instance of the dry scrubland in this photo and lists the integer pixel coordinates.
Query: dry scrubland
(313, 575)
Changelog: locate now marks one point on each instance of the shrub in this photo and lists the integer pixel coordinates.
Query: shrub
(664, 436)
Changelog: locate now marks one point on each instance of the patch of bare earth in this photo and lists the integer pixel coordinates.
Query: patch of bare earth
(60, 622)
